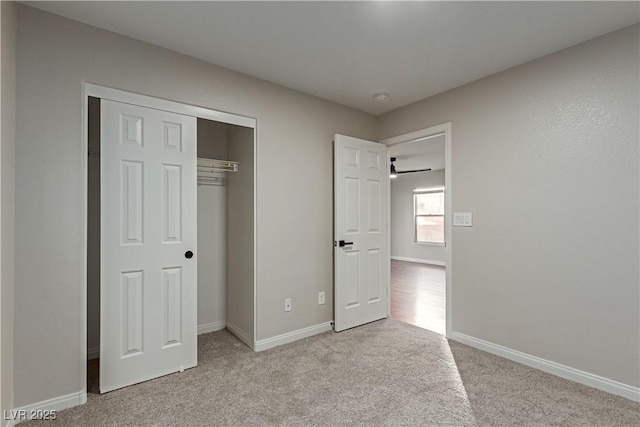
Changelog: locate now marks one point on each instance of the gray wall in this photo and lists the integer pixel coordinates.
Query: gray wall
(212, 139)
(212, 230)
(240, 228)
(55, 56)
(9, 20)
(545, 155)
(403, 232)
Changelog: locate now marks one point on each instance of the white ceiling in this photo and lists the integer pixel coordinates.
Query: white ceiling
(421, 154)
(346, 51)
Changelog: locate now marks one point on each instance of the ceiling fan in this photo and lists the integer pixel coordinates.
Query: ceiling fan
(394, 173)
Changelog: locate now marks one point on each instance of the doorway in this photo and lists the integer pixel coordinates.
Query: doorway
(420, 230)
(226, 207)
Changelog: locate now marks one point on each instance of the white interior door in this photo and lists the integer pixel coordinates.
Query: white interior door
(361, 186)
(148, 293)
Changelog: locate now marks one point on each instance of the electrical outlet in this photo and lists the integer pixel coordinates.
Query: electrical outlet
(287, 304)
(320, 298)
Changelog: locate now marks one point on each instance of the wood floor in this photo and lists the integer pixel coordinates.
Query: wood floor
(418, 295)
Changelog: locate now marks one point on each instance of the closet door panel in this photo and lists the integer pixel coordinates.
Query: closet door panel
(148, 295)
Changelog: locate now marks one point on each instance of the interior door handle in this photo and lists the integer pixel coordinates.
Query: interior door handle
(188, 255)
(342, 243)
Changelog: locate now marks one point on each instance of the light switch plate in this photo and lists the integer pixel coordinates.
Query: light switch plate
(462, 219)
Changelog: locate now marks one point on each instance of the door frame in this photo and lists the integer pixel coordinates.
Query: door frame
(104, 92)
(426, 133)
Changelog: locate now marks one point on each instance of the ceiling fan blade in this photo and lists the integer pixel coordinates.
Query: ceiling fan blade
(413, 171)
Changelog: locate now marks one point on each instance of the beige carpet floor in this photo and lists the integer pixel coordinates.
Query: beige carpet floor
(383, 373)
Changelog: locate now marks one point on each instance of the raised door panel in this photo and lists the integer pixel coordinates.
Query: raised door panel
(132, 321)
(352, 157)
(131, 130)
(172, 136)
(352, 205)
(373, 206)
(171, 203)
(374, 161)
(131, 201)
(374, 275)
(352, 279)
(172, 306)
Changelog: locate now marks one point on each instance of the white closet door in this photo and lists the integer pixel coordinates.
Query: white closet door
(148, 294)
(361, 185)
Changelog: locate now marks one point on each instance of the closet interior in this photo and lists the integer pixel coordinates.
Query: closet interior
(225, 229)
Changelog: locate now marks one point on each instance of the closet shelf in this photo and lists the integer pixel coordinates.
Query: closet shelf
(212, 171)
(206, 166)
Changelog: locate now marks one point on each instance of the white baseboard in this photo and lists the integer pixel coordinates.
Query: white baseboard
(582, 377)
(55, 404)
(292, 336)
(240, 334)
(93, 353)
(418, 260)
(211, 327)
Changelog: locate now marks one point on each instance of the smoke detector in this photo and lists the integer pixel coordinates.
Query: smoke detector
(381, 96)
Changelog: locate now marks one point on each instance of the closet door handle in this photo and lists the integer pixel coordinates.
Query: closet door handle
(342, 243)
(188, 255)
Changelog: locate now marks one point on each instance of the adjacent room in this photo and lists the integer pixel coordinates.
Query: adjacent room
(417, 224)
(200, 222)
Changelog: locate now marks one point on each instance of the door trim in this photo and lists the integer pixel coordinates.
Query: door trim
(104, 92)
(426, 133)
(167, 105)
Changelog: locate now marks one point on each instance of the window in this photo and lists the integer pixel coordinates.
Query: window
(429, 215)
